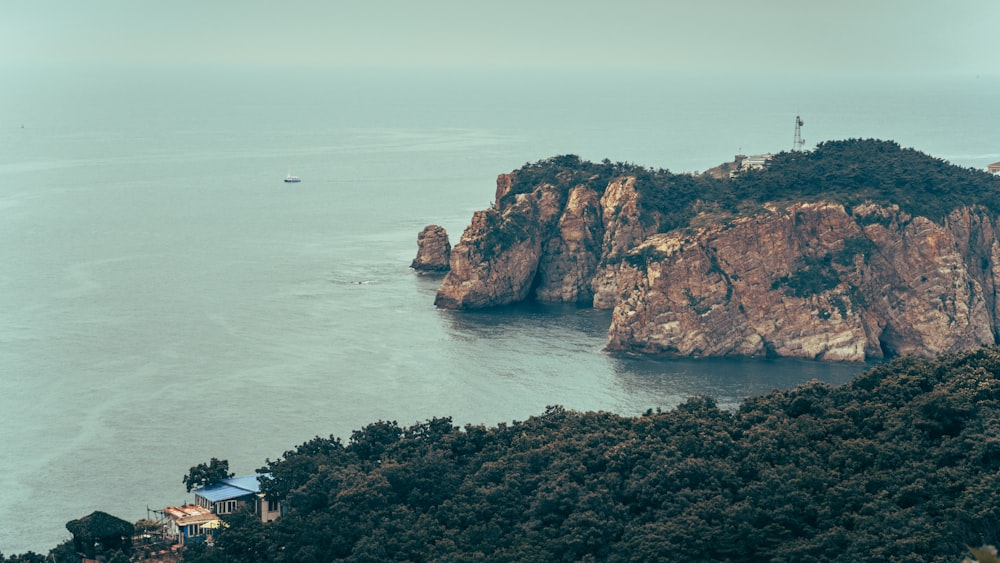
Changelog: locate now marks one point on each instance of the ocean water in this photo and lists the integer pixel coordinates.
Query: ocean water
(165, 298)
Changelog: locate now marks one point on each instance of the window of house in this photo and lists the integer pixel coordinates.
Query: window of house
(226, 506)
(194, 530)
(272, 505)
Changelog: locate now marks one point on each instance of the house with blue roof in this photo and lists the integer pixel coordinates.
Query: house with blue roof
(232, 494)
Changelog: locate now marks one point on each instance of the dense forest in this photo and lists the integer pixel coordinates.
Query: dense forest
(900, 464)
(850, 172)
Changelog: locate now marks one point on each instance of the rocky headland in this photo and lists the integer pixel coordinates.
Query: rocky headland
(855, 251)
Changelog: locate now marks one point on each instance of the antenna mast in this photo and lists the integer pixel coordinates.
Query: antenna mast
(799, 141)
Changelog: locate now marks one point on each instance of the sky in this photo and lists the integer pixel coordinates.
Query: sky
(785, 35)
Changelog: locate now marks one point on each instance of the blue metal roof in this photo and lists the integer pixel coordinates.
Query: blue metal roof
(215, 493)
(246, 482)
(231, 488)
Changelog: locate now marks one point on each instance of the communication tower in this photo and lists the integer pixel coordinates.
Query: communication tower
(799, 141)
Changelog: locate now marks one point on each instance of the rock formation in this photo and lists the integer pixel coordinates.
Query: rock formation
(623, 231)
(812, 279)
(496, 260)
(547, 245)
(433, 250)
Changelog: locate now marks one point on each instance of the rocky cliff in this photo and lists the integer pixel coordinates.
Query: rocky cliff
(433, 250)
(551, 244)
(814, 279)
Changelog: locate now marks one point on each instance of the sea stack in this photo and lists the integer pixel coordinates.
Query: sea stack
(433, 250)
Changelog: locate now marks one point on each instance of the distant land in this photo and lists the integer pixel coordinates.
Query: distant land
(858, 250)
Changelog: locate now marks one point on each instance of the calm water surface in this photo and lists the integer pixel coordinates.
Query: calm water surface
(165, 298)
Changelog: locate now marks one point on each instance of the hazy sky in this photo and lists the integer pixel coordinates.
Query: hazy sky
(881, 35)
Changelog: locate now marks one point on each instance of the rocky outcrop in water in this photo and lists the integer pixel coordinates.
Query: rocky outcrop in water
(433, 250)
(813, 279)
(496, 260)
(546, 246)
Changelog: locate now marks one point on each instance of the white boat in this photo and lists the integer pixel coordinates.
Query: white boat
(291, 179)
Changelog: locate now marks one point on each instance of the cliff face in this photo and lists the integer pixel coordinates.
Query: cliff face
(623, 232)
(569, 257)
(499, 254)
(811, 280)
(816, 282)
(545, 245)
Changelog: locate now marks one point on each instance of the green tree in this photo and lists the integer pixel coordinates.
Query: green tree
(207, 474)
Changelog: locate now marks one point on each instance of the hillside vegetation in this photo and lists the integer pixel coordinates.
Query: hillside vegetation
(901, 464)
(849, 172)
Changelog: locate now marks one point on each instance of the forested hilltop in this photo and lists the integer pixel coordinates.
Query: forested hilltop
(850, 172)
(901, 464)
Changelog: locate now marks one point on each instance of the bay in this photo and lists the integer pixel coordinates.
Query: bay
(165, 298)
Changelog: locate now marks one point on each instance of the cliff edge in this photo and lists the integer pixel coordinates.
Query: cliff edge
(858, 250)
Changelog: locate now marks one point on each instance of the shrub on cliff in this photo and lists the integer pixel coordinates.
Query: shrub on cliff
(850, 172)
(565, 172)
(855, 170)
(900, 464)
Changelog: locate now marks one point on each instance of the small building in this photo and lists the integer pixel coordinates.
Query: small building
(756, 162)
(190, 523)
(234, 493)
(994, 169)
(743, 162)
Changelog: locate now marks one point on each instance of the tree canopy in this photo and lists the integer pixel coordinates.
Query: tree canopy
(207, 474)
(858, 170)
(901, 464)
(100, 532)
(99, 525)
(850, 172)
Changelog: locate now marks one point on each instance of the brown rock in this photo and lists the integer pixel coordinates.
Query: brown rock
(497, 257)
(623, 231)
(504, 184)
(569, 258)
(811, 282)
(433, 250)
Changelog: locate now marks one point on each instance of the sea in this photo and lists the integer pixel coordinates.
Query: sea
(165, 298)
